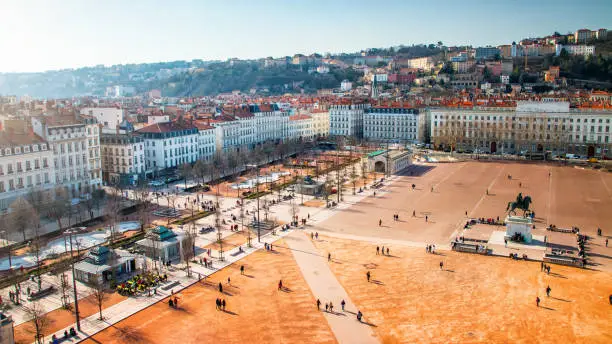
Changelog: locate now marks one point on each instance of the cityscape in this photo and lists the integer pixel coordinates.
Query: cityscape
(400, 194)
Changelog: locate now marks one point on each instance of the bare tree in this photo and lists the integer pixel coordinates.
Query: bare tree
(186, 172)
(266, 208)
(294, 210)
(58, 207)
(37, 198)
(21, 216)
(35, 246)
(112, 209)
(98, 288)
(218, 226)
(242, 217)
(354, 177)
(188, 246)
(37, 315)
(364, 173)
(200, 170)
(143, 199)
(64, 289)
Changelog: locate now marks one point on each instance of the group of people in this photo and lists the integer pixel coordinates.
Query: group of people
(173, 302)
(430, 249)
(329, 306)
(314, 235)
(207, 263)
(395, 217)
(379, 251)
(220, 304)
(545, 268)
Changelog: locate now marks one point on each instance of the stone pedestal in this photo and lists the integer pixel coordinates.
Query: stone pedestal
(519, 224)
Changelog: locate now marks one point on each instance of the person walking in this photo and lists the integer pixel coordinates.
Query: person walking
(441, 265)
(541, 266)
(606, 242)
(242, 269)
(387, 251)
(331, 307)
(426, 218)
(329, 257)
(548, 291)
(326, 306)
(229, 281)
(414, 213)
(377, 250)
(280, 285)
(220, 287)
(342, 304)
(383, 251)
(217, 304)
(379, 222)
(318, 304)
(368, 276)
(223, 304)
(359, 316)
(538, 301)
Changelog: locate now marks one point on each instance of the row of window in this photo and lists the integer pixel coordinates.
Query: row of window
(19, 166)
(13, 184)
(514, 118)
(26, 149)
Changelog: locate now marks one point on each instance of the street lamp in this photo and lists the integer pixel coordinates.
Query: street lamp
(257, 193)
(76, 299)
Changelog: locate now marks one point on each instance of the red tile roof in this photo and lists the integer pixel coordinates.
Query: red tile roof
(165, 127)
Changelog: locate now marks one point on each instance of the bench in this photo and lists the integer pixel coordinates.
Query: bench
(462, 247)
(40, 294)
(476, 240)
(170, 285)
(568, 261)
(560, 230)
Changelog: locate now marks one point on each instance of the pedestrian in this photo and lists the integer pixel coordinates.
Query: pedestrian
(383, 251)
(331, 307)
(228, 281)
(280, 284)
(387, 251)
(217, 304)
(466, 213)
(329, 257)
(432, 189)
(326, 306)
(242, 269)
(318, 304)
(223, 304)
(359, 316)
(413, 213)
(487, 191)
(317, 235)
(548, 291)
(441, 265)
(220, 287)
(548, 269)
(538, 301)
(368, 276)
(520, 184)
(311, 236)
(309, 216)
(342, 304)
(426, 218)
(379, 222)
(175, 302)
(505, 243)
(377, 250)
(541, 266)
(606, 242)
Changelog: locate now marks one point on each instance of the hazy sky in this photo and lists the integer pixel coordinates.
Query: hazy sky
(38, 35)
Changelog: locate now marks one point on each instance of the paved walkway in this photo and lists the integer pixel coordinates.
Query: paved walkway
(325, 286)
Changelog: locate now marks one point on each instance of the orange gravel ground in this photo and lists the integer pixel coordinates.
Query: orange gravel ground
(573, 197)
(231, 241)
(61, 318)
(476, 299)
(257, 312)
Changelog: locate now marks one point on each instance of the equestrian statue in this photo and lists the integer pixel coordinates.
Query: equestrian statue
(521, 203)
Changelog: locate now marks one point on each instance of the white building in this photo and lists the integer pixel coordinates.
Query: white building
(505, 79)
(394, 124)
(207, 141)
(227, 133)
(300, 127)
(93, 148)
(424, 63)
(109, 117)
(68, 137)
(346, 86)
(25, 163)
(168, 145)
(346, 119)
(271, 123)
(123, 158)
(581, 50)
(157, 119)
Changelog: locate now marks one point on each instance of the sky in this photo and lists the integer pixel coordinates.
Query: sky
(40, 35)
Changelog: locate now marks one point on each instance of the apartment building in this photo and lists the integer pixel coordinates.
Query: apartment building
(578, 49)
(271, 123)
(67, 135)
(123, 158)
(207, 142)
(300, 127)
(25, 165)
(393, 124)
(168, 145)
(530, 127)
(109, 117)
(320, 123)
(346, 118)
(93, 147)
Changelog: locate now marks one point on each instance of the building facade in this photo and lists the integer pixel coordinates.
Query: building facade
(346, 119)
(392, 124)
(123, 158)
(168, 145)
(109, 117)
(25, 164)
(530, 127)
(320, 123)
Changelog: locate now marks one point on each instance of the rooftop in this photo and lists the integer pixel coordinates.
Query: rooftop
(166, 127)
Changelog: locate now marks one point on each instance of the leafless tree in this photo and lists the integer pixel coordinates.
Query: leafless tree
(35, 246)
(98, 288)
(242, 217)
(294, 210)
(21, 216)
(188, 246)
(58, 207)
(186, 172)
(364, 173)
(200, 170)
(37, 315)
(65, 288)
(113, 208)
(143, 199)
(218, 226)
(38, 199)
(171, 198)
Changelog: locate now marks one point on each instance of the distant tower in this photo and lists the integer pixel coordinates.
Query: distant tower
(375, 88)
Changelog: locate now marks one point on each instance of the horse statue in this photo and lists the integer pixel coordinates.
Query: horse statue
(521, 203)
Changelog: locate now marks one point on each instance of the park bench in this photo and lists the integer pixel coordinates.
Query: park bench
(170, 285)
(40, 294)
(475, 240)
(569, 261)
(462, 247)
(560, 230)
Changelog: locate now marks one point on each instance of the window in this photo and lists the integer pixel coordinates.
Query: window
(36, 164)
(19, 169)
(28, 167)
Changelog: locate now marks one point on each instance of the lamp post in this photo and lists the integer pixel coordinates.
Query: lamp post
(257, 193)
(74, 287)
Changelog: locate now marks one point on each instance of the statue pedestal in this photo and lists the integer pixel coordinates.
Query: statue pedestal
(519, 224)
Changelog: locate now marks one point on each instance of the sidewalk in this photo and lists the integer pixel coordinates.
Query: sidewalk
(325, 287)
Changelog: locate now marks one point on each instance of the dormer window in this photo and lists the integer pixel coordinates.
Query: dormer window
(7, 151)
(26, 149)
(43, 147)
(17, 150)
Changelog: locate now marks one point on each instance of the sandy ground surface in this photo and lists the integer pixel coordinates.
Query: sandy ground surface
(475, 299)
(231, 241)
(569, 197)
(60, 318)
(256, 311)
